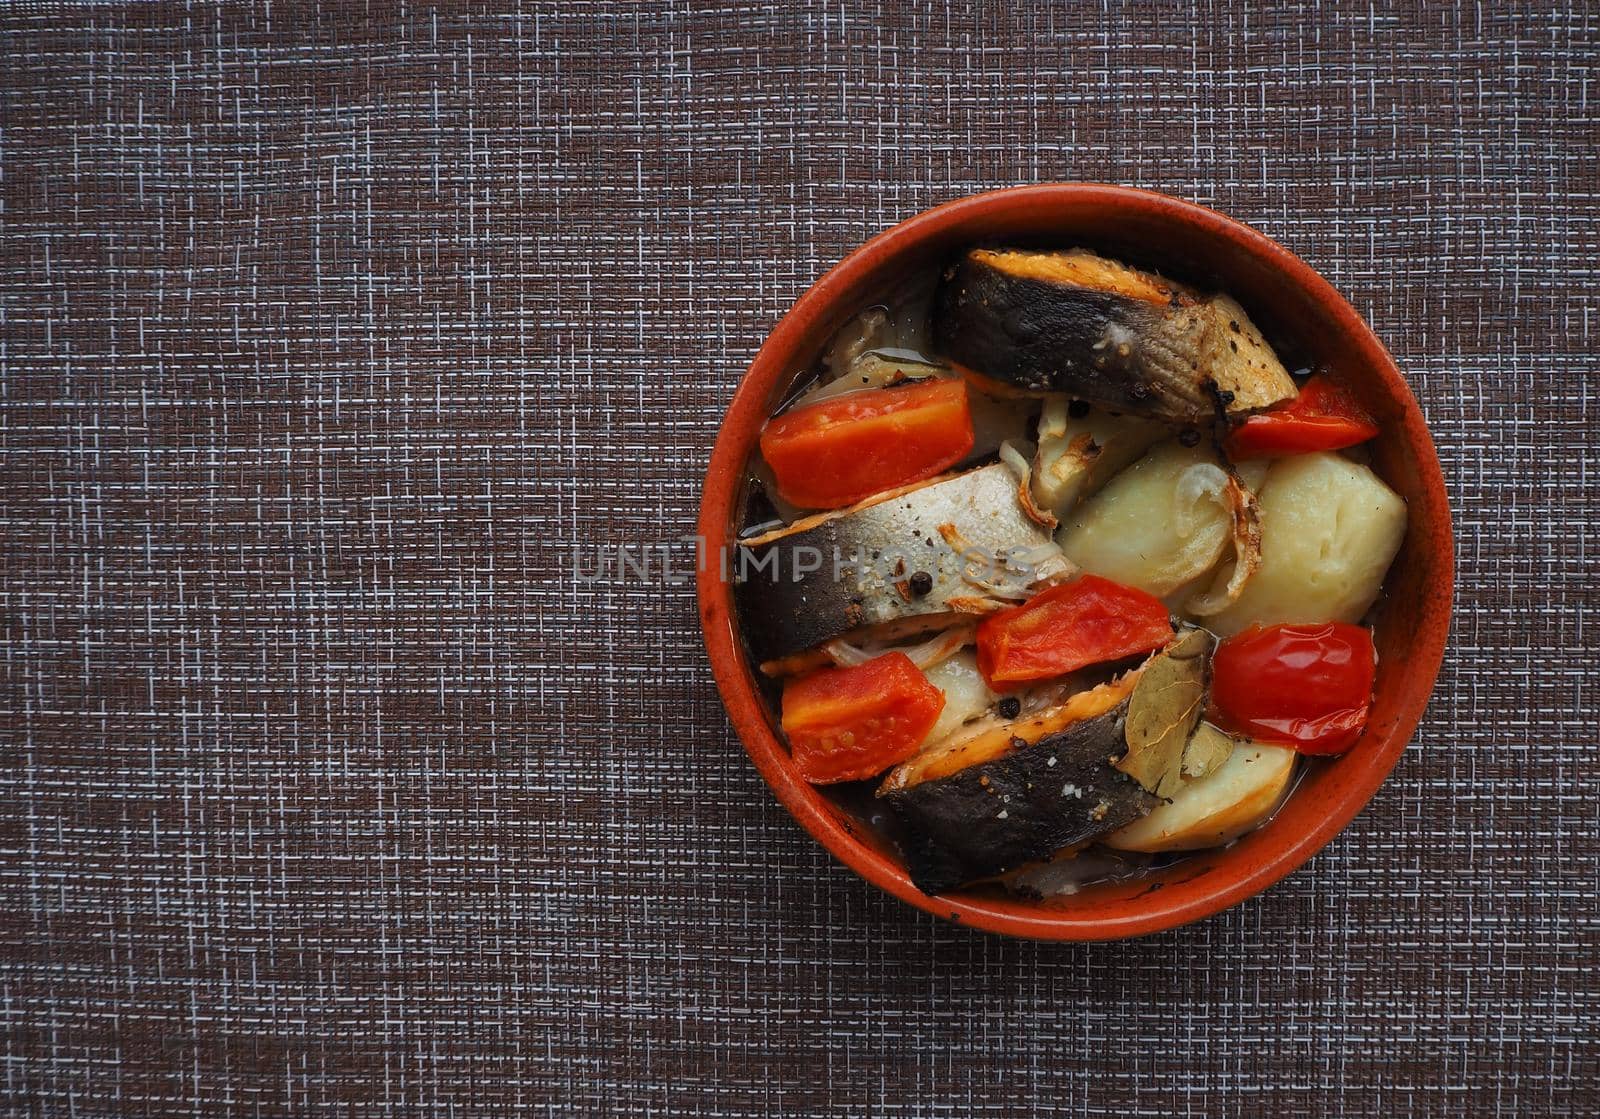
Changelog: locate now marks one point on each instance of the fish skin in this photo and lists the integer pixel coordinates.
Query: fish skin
(954, 830)
(1112, 346)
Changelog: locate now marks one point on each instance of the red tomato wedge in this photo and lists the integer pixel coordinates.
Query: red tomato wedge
(837, 452)
(848, 724)
(1309, 687)
(1088, 621)
(1324, 417)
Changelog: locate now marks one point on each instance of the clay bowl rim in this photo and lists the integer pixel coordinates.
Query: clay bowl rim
(1191, 900)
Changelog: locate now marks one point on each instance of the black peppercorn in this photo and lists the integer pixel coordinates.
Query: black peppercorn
(1189, 437)
(921, 582)
(1010, 707)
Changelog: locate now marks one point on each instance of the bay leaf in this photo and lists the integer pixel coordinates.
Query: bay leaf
(1208, 748)
(1163, 711)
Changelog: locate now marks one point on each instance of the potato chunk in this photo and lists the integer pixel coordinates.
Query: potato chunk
(1159, 525)
(1216, 808)
(1329, 530)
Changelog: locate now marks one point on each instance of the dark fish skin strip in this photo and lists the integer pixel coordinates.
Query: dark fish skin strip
(997, 815)
(1127, 354)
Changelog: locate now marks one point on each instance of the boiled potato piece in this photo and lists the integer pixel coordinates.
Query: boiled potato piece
(1329, 530)
(1077, 455)
(965, 694)
(1159, 525)
(1219, 807)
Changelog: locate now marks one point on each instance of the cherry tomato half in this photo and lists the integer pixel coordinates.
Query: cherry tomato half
(1305, 686)
(1088, 621)
(1324, 417)
(832, 454)
(848, 724)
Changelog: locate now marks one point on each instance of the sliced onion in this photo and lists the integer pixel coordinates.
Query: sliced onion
(1201, 483)
(846, 655)
(1034, 568)
(903, 356)
(1052, 693)
(870, 371)
(941, 646)
(1053, 417)
(1012, 456)
(1038, 555)
(1021, 465)
(1008, 592)
(1232, 576)
(862, 333)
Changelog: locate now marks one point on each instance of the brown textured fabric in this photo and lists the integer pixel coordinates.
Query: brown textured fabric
(333, 336)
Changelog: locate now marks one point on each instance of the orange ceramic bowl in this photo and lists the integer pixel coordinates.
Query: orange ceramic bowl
(1288, 300)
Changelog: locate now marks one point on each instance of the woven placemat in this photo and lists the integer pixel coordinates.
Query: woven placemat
(336, 336)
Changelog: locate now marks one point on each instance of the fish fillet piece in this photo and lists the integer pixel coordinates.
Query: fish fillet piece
(1103, 331)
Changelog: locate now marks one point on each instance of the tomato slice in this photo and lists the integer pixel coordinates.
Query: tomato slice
(1307, 686)
(847, 724)
(835, 453)
(1324, 417)
(1088, 621)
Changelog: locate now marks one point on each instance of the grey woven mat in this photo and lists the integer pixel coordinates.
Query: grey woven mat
(335, 336)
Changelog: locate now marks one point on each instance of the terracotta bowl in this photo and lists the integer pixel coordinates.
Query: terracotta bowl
(1289, 301)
